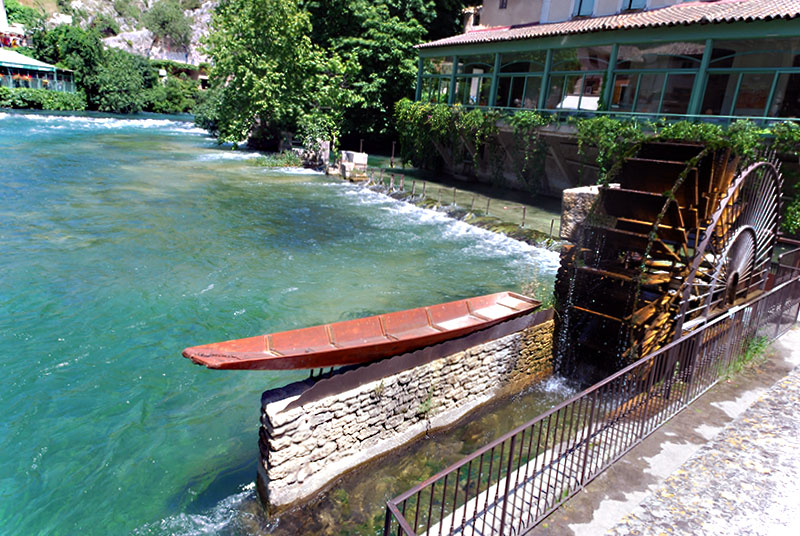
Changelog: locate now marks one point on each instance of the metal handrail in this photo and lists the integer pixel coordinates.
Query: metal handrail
(609, 418)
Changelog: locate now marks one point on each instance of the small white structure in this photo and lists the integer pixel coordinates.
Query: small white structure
(353, 166)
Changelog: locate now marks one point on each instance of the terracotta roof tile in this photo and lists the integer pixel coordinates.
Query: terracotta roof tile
(679, 14)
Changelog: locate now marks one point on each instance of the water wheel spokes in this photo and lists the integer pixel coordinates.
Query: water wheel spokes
(681, 238)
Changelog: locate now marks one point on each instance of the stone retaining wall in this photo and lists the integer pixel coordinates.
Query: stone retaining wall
(306, 443)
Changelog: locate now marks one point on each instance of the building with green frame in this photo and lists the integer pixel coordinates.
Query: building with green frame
(716, 60)
(18, 71)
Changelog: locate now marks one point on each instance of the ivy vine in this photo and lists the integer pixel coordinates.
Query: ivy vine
(527, 127)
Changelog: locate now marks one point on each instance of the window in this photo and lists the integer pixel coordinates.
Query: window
(753, 77)
(583, 8)
(634, 4)
(474, 80)
(576, 78)
(436, 79)
(503, 4)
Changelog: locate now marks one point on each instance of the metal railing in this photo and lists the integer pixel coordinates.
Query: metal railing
(511, 484)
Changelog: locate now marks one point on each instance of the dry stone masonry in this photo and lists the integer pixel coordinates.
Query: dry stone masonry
(304, 445)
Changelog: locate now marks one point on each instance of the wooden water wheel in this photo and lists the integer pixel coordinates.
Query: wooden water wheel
(686, 235)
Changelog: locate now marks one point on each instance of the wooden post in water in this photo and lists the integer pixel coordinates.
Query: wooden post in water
(424, 188)
(488, 202)
(454, 195)
(551, 228)
(403, 182)
(413, 187)
(381, 178)
(391, 183)
(524, 212)
(439, 197)
(472, 208)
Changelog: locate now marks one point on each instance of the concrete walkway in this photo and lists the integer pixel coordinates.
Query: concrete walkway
(728, 464)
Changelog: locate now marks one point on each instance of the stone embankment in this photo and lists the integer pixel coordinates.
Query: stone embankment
(313, 432)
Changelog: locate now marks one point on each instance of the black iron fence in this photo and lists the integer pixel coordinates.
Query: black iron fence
(510, 485)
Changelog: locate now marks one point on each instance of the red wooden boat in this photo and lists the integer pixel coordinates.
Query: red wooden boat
(364, 339)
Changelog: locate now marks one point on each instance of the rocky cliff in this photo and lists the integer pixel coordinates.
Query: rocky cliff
(124, 23)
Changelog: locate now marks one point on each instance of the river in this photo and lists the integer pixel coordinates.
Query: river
(124, 240)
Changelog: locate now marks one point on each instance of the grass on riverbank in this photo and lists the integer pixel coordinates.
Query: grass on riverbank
(278, 160)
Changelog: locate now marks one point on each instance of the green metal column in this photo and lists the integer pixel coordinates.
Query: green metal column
(548, 64)
(493, 88)
(451, 92)
(696, 100)
(420, 64)
(608, 83)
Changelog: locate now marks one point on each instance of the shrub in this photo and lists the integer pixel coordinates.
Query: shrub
(41, 99)
(105, 25)
(191, 4)
(17, 13)
(126, 9)
(167, 21)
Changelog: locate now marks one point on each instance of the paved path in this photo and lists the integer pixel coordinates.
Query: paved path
(746, 481)
(729, 464)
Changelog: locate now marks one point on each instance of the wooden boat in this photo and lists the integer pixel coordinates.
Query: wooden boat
(364, 339)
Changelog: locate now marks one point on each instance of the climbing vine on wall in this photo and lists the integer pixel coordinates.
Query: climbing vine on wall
(530, 146)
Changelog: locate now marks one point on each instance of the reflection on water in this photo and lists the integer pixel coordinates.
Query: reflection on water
(125, 240)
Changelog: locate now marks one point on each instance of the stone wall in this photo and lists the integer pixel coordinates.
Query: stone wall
(306, 441)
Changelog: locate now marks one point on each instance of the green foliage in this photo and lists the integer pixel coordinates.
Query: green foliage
(64, 6)
(25, 15)
(105, 25)
(41, 99)
(530, 146)
(613, 139)
(122, 81)
(791, 217)
(191, 4)
(177, 95)
(420, 126)
(753, 353)
(168, 22)
(378, 35)
(268, 71)
(284, 159)
(128, 10)
(74, 48)
(787, 137)
(112, 80)
(207, 109)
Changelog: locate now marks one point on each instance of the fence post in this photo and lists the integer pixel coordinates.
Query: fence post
(524, 213)
(587, 446)
(508, 484)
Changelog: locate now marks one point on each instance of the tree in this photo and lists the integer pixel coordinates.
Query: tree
(269, 73)
(123, 80)
(380, 36)
(168, 22)
(76, 49)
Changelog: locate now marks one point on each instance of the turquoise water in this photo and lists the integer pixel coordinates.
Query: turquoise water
(122, 241)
